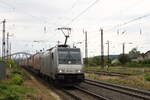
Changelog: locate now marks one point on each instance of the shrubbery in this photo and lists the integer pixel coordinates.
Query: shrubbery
(12, 88)
(15, 76)
(144, 63)
(9, 62)
(17, 79)
(124, 58)
(134, 64)
(11, 91)
(95, 61)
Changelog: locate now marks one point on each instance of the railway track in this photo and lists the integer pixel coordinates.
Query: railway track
(115, 92)
(78, 93)
(109, 73)
(97, 90)
(91, 93)
(67, 93)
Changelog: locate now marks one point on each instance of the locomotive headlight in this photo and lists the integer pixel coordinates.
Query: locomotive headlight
(79, 71)
(60, 71)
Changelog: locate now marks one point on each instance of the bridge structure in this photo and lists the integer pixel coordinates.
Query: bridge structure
(18, 56)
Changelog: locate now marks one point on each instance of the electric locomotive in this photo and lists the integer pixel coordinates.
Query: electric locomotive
(63, 64)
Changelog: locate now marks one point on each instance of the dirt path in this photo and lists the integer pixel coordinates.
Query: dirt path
(41, 91)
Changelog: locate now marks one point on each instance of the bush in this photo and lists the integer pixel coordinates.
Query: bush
(12, 88)
(134, 64)
(146, 61)
(124, 58)
(17, 79)
(10, 62)
(16, 71)
(12, 92)
(16, 76)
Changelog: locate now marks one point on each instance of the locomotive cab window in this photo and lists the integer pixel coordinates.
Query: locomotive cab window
(69, 56)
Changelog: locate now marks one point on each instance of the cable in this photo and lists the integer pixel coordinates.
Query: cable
(74, 4)
(7, 4)
(25, 13)
(135, 19)
(85, 10)
(10, 6)
(130, 21)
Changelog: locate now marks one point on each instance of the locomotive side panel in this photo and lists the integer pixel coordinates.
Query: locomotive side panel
(45, 63)
(49, 63)
(54, 66)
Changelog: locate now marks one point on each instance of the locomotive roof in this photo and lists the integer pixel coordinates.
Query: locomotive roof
(61, 47)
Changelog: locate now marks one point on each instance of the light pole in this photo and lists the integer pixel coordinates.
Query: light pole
(102, 48)
(108, 52)
(8, 44)
(86, 47)
(123, 47)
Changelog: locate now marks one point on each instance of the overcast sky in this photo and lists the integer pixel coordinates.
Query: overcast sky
(38, 20)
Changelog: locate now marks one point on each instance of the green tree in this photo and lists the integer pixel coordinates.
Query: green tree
(96, 60)
(124, 58)
(86, 61)
(93, 61)
(134, 53)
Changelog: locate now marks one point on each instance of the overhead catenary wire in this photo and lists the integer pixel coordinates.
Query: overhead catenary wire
(81, 13)
(74, 4)
(128, 22)
(8, 5)
(38, 18)
(135, 19)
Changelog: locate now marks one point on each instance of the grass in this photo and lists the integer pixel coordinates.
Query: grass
(131, 81)
(121, 70)
(12, 88)
(12, 92)
(140, 77)
(147, 76)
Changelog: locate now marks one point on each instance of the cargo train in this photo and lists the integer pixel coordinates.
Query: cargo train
(62, 64)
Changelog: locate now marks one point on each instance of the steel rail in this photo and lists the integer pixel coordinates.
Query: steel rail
(121, 89)
(71, 95)
(91, 93)
(109, 73)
